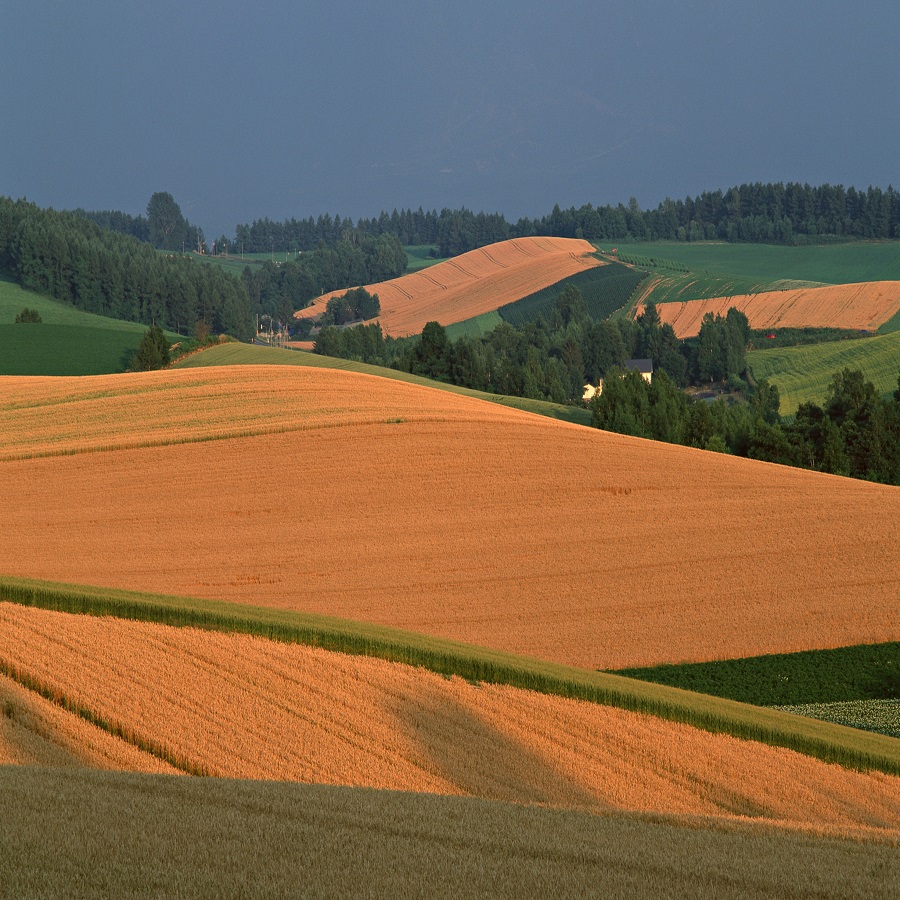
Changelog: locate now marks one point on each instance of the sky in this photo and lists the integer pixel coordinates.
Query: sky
(290, 109)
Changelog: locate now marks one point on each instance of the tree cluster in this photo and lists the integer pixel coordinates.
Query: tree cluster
(357, 304)
(544, 359)
(855, 433)
(28, 316)
(100, 271)
(164, 225)
(279, 290)
(153, 352)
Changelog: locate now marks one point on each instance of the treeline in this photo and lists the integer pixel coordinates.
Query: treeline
(279, 290)
(760, 213)
(855, 433)
(453, 231)
(97, 270)
(552, 359)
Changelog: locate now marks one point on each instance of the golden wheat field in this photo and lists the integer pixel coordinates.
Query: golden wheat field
(477, 282)
(245, 707)
(382, 501)
(865, 306)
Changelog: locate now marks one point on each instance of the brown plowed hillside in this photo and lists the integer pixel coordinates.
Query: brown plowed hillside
(244, 707)
(471, 284)
(866, 306)
(378, 500)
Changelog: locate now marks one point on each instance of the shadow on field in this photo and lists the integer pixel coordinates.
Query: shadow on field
(480, 760)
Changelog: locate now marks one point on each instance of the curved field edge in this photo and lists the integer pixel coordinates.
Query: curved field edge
(101, 833)
(825, 741)
(245, 354)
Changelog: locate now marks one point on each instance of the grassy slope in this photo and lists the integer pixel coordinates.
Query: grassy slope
(804, 373)
(67, 833)
(244, 354)
(819, 739)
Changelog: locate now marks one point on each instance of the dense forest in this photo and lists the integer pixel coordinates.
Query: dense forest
(761, 213)
(97, 270)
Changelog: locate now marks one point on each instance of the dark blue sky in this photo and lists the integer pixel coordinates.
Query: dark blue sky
(284, 109)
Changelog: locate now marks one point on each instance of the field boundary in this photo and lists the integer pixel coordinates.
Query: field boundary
(825, 741)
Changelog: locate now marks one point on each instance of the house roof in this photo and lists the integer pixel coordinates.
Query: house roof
(644, 366)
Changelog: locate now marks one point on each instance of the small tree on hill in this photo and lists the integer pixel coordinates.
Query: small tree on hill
(29, 316)
(152, 352)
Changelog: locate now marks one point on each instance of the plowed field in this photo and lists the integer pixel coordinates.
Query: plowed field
(476, 282)
(383, 501)
(245, 707)
(865, 306)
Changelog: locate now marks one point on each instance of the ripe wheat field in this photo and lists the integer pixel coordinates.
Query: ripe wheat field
(387, 502)
(476, 282)
(377, 500)
(865, 306)
(245, 707)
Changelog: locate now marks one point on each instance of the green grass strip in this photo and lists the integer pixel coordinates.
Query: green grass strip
(823, 740)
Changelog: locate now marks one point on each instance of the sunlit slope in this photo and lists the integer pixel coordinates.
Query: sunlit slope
(105, 834)
(804, 374)
(865, 306)
(377, 500)
(476, 282)
(246, 707)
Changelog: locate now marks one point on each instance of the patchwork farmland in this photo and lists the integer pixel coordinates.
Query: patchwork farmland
(472, 284)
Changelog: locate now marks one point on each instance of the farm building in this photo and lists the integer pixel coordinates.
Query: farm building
(644, 366)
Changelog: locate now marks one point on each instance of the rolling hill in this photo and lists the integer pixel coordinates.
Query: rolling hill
(361, 497)
(472, 284)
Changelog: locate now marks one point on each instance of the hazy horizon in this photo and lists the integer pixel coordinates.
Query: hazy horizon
(282, 112)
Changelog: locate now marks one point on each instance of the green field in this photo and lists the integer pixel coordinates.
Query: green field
(67, 342)
(476, 327)
(865, 672)
(823, 740)
(245, 354)
(803, 374)
(605, 289)
(767, 263)
(81, 833)
(418, 256)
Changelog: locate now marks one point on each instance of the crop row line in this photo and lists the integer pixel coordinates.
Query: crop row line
(58, 698)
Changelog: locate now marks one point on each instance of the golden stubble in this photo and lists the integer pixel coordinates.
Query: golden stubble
(864, 306)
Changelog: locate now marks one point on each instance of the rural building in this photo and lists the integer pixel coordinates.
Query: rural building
(644, 366)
